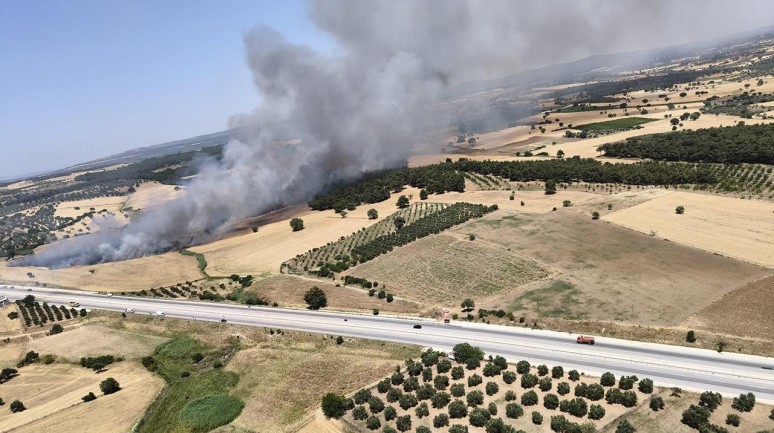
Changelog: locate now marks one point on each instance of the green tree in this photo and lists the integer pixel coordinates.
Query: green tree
(89, 397)
(596, 412)
(422, 194)
(560, 153)
(680, 210)
(542, 370)
(375, 404)
(475, 398)
(373, 423)
(464, 352)
(457, 390)
(625, 427)
(744, 403)
(513, 410)
(390, 413)
(458, 428)
(557, 372)
(537, 418)
(440, 400)
(690, 337)
(17, 406)
(563, 388)
(550, 187)
(399, 222)
(491, 388)
(545, 384)
(359, 413)
(403, 423)
(733, 419)
(361, 396)
(457, 373)
(403, 202)
(334, 405)
(315, 298)
(56, 329)
(509, 377)
(297, 224)
(645, 386)
(550, 401)
(457, 409)
(468, 305)
(573, 375)
(710, 400)
(696, 416)
(528, 381)
(422, 411)
(478, 417)
(372, 214)
(442, 420)
(607, 379)
(595, 215)
(441, 382)
(109, 386)
(656, 403)
(529, 398)
(443, 366)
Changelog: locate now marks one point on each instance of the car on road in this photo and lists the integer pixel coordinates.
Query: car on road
(584, 339)
(160, 313)
(129, 310)
(417, 326)
(109, 294)
(223, 320)
(74, 304)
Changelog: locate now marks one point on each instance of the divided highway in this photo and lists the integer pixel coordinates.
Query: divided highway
(688, 368)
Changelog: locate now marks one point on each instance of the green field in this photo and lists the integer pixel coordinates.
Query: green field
(622, 123)
(582, 108)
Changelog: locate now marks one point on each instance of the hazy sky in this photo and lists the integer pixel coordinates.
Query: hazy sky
(83, 79)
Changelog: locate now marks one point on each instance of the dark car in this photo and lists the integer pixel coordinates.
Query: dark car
(222, 320)
(417, 326)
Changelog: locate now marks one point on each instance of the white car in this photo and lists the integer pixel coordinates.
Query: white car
(129, 310)
(159, 313)
(109, 294)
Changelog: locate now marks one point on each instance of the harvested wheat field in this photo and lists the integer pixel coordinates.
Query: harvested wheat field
(607, 272)
(150, 194)
(535, 201)
(283, 379)
(9, 326)
(80, 207)
(746, 311)
(737, 228)
(288, 290)
(123, 276)
(95, 340)
(452, 267)
(275, 243)
(609, 203)
(52, 394)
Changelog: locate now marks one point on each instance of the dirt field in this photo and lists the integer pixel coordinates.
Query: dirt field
(452, 269)
(732, 227)
(52, 395)
(609, 272)
(288, 290)
(95, 340)
(535, 200)
(129, 275)
(68, 208)
(746, 311)
(277, 376)
(274, 243)
(150, 194)
(9, 326)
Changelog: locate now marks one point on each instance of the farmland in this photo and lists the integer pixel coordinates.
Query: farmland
(623, 123)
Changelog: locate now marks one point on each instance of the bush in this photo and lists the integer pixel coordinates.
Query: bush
(475, 398)
(656, 403)
(529, 398)
(56, 329)
(315, 298)
(425, 392)
(545, 384)
(197, 357)
(542, 370)
(375, 404)
(710, 400)
(109, 386)
(149, 363)
(443, 366)
(550, 401)
(491, 370)
(557, 372)
(733, 419)
(563, 388)
(334, 405)
(645, 386)
(212, 411)
(441, 382)
(695, 416)
(13, 315)
(441, 420)
(458, 428)
(388, 429)
(373, 423)
(397, 378)
(390, 413)
(427, 374)
(457, 373)
(464, 352)
(97, 363)
(744, 403)
(537, 418)
(528, 381)
(573, 375)
(625, 427)
(440, 400)
(680, 210)
(457, 409)
(457, 390)
(510, 395)
(690, 337)
(403, 423)
(522, 367)
(359, 413)
(384, 385)
(423, 429)
(596, 412)
(474, 380)
(410, 384)
(17, 406)
(297, 224)
(478, 417)
(627, 382)
(407, 401)
(491, 388)
(422, 411)
(607, 379)
(89, 397)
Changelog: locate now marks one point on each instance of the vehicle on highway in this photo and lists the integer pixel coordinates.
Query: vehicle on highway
(417, 326)
(584, 339)
(446, 316)
(160, 313)
(129, 310)
(74, 304)
(223, 320)
(109, 294)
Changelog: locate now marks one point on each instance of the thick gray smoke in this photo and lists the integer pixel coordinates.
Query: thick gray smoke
(358, 109)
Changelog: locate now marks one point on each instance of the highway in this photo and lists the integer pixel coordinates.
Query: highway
(688, 368)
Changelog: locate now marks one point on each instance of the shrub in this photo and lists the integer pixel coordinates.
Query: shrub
(89, 397)
(388, 429)
(550, 401)
(440, 400)
(710, 400)
(149, 363)
(529, 398)
(427, 374)
(373, 423)
(403, 423)
(522, 367)
(297, 224)
(690, 337)
(537, 418)
(680, 210)
(573, 375)
(197, 357)
(478, 417)
(500, 362)
(441, 382)
(474, 380)
(475, 398)
(457, 409)
(441, 420)
(645, 386)
(695, 416)
(625, 427)
(627, 382)
(607, 379)
(457, 390)
(629, 399)
(513, 410)
(393, 395)
(491, 370)
(557, 372)
(423, 429)
(464, 352)
(359, 413)
(542, 370)
(744, 403)
(17, 406)
(563, 388)
(425, 392)
(407, 401)
(56, 329)
(545, 384)
(656, 403)
(457, 373)
(397, 378)
(491, 388)
(458, 428)
(733, 419)
(315, 298)
(528, 381)
(109, 386)
(97, 363)
(422, 411)
(410, 384)
(443, 366)
(596, 412)
(510, 395)
(390, 413)
(595, 215)
(383, 386)
(375, 404)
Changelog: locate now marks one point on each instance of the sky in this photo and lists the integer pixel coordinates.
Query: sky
(84, 79)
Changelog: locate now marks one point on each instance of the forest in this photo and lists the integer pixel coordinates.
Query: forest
(734, 144)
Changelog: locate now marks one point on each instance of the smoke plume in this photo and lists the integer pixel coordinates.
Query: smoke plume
(325, 118)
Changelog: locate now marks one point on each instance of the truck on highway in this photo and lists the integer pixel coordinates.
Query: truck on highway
(584, 339)
(74, 304)
(446, 316)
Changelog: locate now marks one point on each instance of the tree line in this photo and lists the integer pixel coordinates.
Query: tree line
(733, 144)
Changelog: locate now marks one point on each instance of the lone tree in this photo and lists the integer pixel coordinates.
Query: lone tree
(56, 329)
(315, 298)
(17, 406)
(464, 352)
(372, 214)
(403, 202)
(550, 187)
(595, 215)
(680, 210)
(690, 337)
(109, 386)
(297, 224)
(399, 222)
(467, 304)
(560, 153)
(334, 405)
(423, 195)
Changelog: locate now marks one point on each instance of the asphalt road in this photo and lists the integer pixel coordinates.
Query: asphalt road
(688, 368)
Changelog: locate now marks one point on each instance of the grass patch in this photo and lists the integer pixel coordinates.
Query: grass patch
(582, 108)
(560, 299)
(202, 262)
(189, 383)
(622, 123)
(212, 411)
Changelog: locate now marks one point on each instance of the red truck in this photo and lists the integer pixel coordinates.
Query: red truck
(584, 339)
